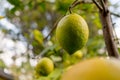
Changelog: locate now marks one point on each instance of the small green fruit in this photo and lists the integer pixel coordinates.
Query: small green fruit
(78, 54)
(45, 66)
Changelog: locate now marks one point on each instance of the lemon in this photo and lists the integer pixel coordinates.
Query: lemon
(38, 42)
(94, 69)
(66, 63)
(78, 54)
(76, 57)
(72, 32)
(38, 36)
(45, 66)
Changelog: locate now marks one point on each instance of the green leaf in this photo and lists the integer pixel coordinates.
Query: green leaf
(47, 49)
(55, 75)
(17, 4)
(43, 78)
(14, 2)
(2, 65)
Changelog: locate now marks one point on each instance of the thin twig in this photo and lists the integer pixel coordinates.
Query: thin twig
(98, 5)
(54, 27)
(80, 2)
(70, 10)
(105, 10)
(115, 34)
(117, 15)
(103, 5)
(116, 38)
(75, 3)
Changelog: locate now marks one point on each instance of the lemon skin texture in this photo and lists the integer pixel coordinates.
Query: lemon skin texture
(44, 67)
(72, 32)
(94, 69)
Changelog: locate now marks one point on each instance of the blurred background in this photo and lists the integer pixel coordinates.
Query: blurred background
(27, 23)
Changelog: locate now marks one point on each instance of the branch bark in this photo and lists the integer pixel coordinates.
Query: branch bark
(5, 76)
(107, 31)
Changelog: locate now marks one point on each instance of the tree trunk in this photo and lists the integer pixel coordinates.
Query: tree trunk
(107, 31)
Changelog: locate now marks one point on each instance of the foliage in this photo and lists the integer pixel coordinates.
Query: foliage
(2, 65)
(34, 19)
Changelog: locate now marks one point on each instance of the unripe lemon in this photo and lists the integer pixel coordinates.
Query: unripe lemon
(72, 32)
(37, 43)
(94, 69)
(38, 36)
(45, 66)
(78, 54)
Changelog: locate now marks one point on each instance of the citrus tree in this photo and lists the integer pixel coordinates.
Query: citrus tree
(60, 37)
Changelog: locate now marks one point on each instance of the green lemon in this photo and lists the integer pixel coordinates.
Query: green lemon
(37, 42)
(78, 54)
(76, 57)
(72, 32)
(94, 69)
(38, 36)
(45, 66)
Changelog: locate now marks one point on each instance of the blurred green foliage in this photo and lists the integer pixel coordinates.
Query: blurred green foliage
(35, 18)
(2, 65)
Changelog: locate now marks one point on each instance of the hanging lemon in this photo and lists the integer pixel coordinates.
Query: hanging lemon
(72, 32)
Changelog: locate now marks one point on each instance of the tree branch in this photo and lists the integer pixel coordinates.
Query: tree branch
(5, 76)
(107, 30)
(98, 5)
(54, 27)
(103, 6)
(75, 3)
(117, 15)
(72, 5)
